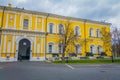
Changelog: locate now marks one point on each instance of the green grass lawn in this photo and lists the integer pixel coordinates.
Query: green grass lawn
(87, 62)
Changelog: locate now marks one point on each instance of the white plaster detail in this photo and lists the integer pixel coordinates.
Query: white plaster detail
(8, 47)
(4, 59)
(4, 43)
(13, 42)
(37, 59)
(15, 21)
(17, 46)
(42, 24)
(35, 45)
(7, 21)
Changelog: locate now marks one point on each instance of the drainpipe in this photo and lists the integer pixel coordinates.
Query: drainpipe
(85, 33)
(46, 35)
(2, 22)
(2, 17)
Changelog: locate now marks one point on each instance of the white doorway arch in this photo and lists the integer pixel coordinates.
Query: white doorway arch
(17, 46)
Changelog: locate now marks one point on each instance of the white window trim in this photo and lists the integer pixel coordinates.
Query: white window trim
(63, 27)
(48, 28)
(79, 31)
(101, 49)
(98, 34)
(91, 32)
(94, 49)
(53, 49)
(79, 49)
(61, 47)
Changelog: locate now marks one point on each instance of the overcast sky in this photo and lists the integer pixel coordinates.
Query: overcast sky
(99, 10)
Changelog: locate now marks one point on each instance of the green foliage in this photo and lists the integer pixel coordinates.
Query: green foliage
(89, 54)
(103, 54)
(88, 61)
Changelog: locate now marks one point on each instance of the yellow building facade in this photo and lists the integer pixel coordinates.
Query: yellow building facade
(33, 34)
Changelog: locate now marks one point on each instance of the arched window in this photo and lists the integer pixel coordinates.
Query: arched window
(77, 31)
(91, 32)
(92, 49)
(98, 33)
(61, 28)
(60, 48)
(77, 49)
(50, 28)
(50, 47)
(99, 49)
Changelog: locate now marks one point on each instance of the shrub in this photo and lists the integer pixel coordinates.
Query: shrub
(89, 54)
(103, 54)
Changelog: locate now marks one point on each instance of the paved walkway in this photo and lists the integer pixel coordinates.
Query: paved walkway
(26, 70)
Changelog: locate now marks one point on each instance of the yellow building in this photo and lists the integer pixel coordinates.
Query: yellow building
(33, 34)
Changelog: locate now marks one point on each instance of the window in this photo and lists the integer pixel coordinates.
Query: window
(91, 32)
(77, 49)
(61, 29)
(77, 31)
(99, 49)
(25, 23)
(60, 50)
(50, 48)
(11, 18)
(92, 49)
(51, 26)
(98, 33)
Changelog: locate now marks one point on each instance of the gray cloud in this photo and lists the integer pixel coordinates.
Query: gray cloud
(88, 9)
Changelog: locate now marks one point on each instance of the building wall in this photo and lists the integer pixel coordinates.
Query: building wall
(13, 20)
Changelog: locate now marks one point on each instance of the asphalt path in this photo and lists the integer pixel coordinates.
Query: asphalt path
(46, 71)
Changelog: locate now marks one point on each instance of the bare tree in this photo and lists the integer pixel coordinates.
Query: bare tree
(116, 41)
(69, 39)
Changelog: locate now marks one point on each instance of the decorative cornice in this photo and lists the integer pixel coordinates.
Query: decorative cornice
(21, 32)
(53, 15)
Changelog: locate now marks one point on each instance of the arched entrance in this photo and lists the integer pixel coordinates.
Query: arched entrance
(24, 49)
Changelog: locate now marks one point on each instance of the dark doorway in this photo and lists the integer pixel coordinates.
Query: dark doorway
(24, 49)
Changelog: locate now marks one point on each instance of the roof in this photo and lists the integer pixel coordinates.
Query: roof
(52, 15)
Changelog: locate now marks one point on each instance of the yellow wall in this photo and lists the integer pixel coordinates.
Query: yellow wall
(38, 23)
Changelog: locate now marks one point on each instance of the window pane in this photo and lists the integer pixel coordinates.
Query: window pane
(60, 29)
(51, 28)
(50, 48)
(25, 22)
(91, 32)
(76, 30)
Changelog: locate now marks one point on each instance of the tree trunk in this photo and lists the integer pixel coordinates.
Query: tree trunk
(63, 57)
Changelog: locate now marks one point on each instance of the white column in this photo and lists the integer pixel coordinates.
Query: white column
(35, 45)
(4, 50)
(1, 44)
(13, 42)
(44, 45)
(15, 21)
(30, 22)
(6, 21)
(36, 23)
(21, 21)
(41, 45)
(42, 24)
(8, 47)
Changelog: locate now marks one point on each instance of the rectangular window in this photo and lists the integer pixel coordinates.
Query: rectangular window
(50, 48)
(26, 23)
(60, 49)
(51, 27)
